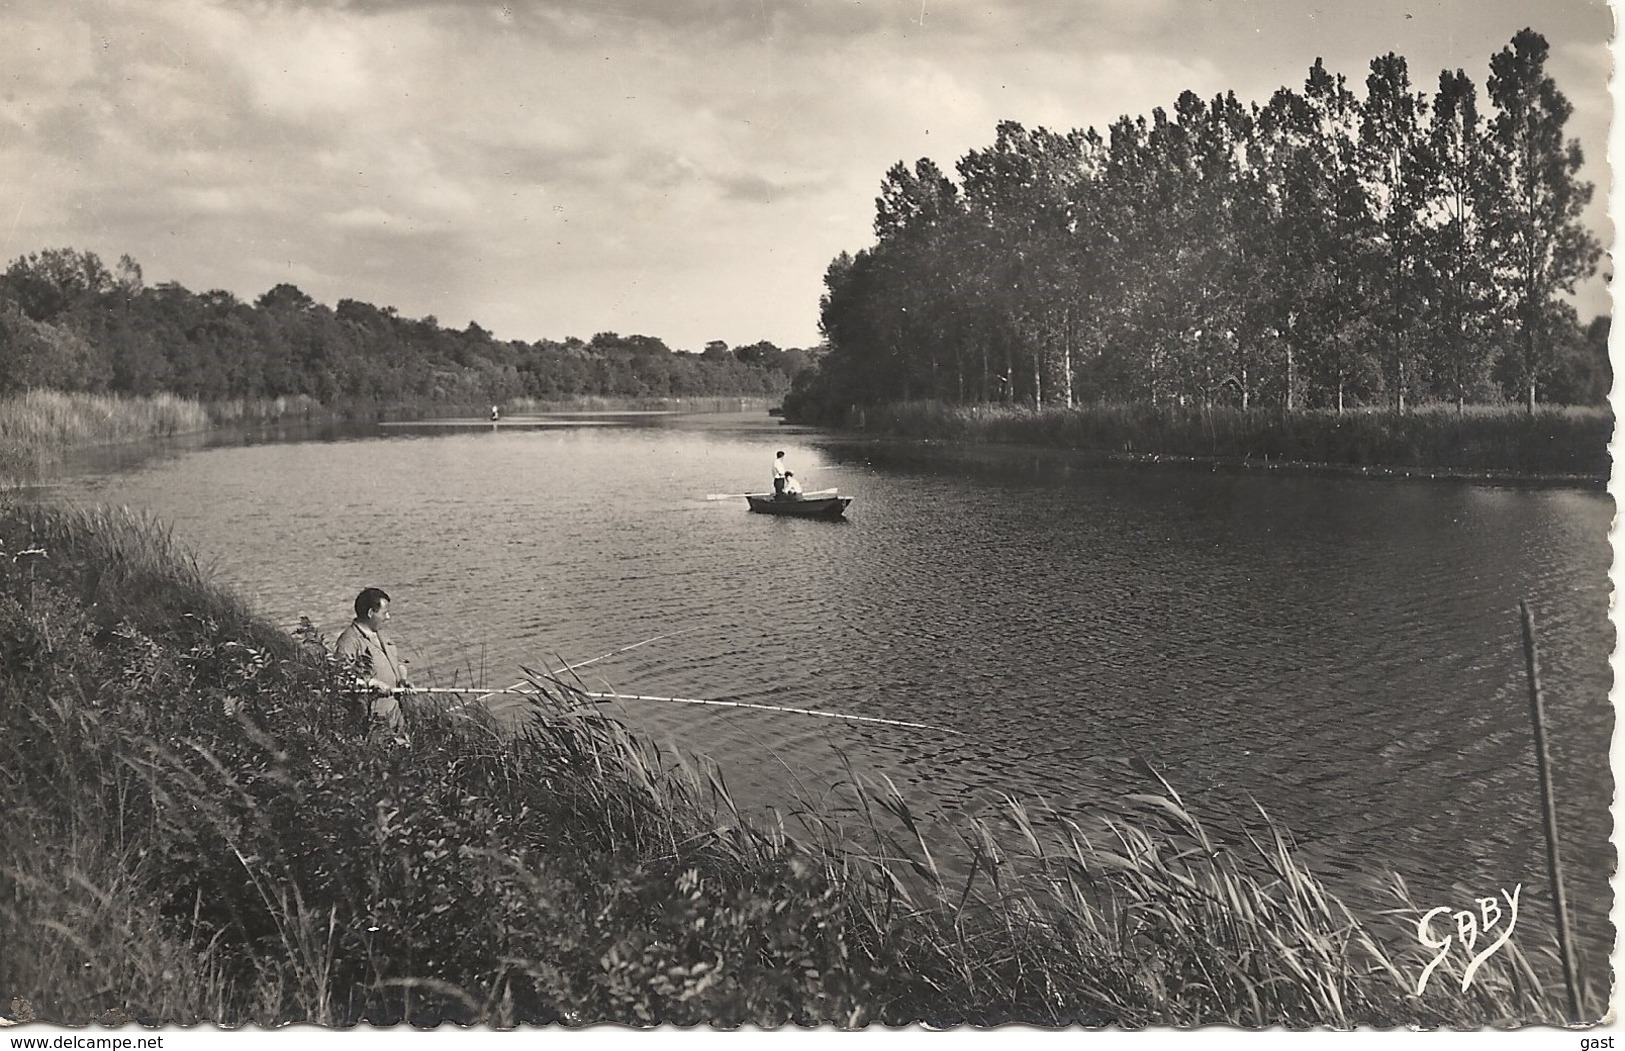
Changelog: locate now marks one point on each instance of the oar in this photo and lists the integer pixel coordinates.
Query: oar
(736, 496)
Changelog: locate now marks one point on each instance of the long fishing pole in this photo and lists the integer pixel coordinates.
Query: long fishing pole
(461, 690)
(771, 708)
(603, 696)
(623, 649)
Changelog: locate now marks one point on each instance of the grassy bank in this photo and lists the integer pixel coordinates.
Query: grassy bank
(36, 426)
(1556, 442)
(198, 827)
(255, 412)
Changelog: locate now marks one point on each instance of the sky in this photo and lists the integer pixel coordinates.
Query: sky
(684, 169)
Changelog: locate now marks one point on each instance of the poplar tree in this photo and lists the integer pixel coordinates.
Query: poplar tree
(1537, 245)
(1396, 173)
(1456, 276)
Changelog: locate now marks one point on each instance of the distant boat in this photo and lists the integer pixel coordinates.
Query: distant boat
(821, 504)
(777, 410)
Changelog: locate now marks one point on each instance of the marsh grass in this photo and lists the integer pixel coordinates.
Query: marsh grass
(199, 825)
(1557, 442)
(629, 403)
(36, 426)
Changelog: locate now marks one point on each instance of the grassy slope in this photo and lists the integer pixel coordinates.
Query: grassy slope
(197, 827)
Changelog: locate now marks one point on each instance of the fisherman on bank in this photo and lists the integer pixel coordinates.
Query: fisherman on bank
(779, 471)
(378, 665)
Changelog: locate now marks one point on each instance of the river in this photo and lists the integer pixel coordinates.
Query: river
(1344, 651)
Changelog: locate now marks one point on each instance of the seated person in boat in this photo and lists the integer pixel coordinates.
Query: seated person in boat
(792, 486)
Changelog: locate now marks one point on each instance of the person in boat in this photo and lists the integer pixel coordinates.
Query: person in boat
(792, 487)
(779, 471)
(379, 668)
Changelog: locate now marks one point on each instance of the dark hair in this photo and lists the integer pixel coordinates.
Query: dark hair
(781, 452)
(369, 600)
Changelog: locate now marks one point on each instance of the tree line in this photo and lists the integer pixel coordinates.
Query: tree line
(1322, 250)
(70, 323)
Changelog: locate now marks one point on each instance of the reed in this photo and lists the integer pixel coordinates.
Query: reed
(630, 403)
(262, 411)
(196, 811)
(1563, 442)
(37, 425)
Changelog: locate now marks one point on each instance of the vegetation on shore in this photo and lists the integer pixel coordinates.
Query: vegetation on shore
(38, 426)
(1320, 249)
(69, 322)
(1556, 443)
(198, 827)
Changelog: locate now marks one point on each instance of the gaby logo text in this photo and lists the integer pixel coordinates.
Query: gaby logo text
(1467, 928)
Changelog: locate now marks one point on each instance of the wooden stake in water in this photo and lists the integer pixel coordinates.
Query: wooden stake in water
(1554, 858)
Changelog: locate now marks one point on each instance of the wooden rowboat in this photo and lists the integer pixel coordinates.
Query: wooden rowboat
(821, 504)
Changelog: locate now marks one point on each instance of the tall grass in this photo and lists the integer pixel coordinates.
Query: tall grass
(1556, 442)
(200, 826)
(259, 411)
(37, 425)
(630, 403)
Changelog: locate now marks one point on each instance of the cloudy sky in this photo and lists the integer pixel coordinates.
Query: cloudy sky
(679, 168)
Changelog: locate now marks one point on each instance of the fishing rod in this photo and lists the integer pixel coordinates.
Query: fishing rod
(772, 708)
(616, 653)
(601, 696)
(520, 687)
(460, 690)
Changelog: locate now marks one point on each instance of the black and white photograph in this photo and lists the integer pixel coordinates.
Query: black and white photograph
(779, 515)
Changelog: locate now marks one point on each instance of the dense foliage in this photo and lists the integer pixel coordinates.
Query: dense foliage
(1320, 250)
(198, 826)
(69, 323)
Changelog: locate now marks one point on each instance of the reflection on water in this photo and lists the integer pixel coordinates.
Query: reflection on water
(1345, 652)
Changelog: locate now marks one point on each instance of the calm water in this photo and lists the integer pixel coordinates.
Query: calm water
(1346, 652)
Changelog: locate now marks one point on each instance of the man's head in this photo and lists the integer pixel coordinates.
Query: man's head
(372, 607)
(779, 455)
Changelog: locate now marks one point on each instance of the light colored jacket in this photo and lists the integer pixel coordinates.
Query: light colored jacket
(377, 655)
(378, 662)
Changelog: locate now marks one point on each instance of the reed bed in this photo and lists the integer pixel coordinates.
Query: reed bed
(1561, 442)
(629, 403)
(201, 826)
(260, 411)
(36, 425)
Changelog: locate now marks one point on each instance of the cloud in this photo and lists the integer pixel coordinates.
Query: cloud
(757, 189)
(570, 165)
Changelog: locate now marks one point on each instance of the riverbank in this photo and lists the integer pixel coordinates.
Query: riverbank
(37, 427)
(1558, 445)
(197, 829)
